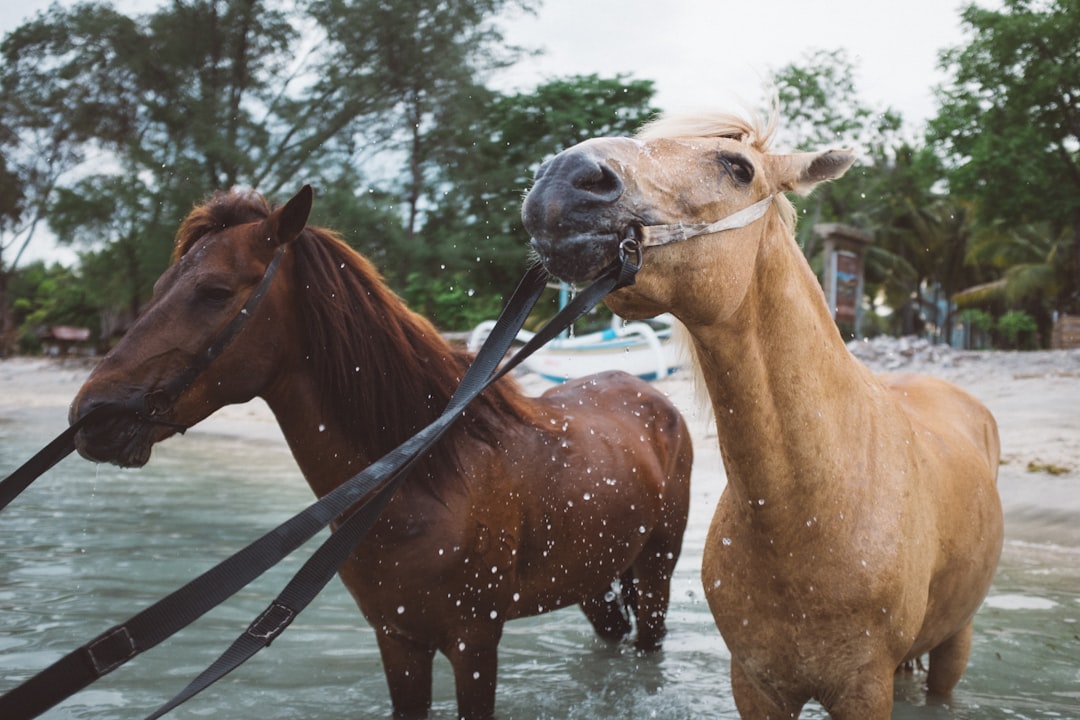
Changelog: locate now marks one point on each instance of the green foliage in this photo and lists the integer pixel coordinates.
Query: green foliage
(977, 319)
(1009, 125)
(489, 149)
(111, 127)
(1019, 330)
(449, 301)
(47, 296)
(821, 108)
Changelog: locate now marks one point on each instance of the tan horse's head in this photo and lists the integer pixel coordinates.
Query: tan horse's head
(677, 171)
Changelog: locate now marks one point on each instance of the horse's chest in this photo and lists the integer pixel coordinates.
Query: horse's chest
(808, 568)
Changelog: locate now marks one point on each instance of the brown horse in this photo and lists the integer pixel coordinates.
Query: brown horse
(861, 525)
(528, 504)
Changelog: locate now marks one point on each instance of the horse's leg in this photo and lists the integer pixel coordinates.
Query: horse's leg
(474, 655)
(408, 673)
(606, 613)
(652, 573)
(866, 695)
(948, 662)
(752, 703)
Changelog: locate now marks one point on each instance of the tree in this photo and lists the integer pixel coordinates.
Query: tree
(48, 296)
(487, 152)
(62, 99)
(142, 117)
(820, 107)
(422, 57)
(1009, 126)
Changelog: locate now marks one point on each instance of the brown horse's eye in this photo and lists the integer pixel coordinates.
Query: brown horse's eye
(215, 295)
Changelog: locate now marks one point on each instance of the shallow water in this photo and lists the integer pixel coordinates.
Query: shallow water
(90, 545)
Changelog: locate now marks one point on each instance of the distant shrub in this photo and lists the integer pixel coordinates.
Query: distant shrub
(1019, 330)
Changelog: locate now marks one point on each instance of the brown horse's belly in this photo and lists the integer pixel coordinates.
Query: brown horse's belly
(572, 554)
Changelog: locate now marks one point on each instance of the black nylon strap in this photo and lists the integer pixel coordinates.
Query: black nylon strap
(45, 459)
(164, 618)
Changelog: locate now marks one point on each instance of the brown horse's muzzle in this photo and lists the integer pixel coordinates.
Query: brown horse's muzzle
(121, 433)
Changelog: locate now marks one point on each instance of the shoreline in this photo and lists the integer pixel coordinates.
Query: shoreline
(1034, 396)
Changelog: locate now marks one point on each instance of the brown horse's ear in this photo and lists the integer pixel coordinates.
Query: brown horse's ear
(287, 222)
(801, 172)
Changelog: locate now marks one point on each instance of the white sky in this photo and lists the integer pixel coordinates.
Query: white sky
(716, 53)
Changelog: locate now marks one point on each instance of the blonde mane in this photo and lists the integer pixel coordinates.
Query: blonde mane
(757, 132)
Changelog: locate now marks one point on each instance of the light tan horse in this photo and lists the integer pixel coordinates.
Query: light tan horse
(861, 524)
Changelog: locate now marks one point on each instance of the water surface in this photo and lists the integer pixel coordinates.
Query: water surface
(90, 545)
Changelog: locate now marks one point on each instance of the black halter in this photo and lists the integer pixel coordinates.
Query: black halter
(161, 400)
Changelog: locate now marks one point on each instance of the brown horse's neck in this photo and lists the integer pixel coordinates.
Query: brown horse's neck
(782, 385)
(325, 456)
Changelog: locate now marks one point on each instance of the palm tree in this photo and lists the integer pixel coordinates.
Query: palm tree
(919, 257)
(1033, 265)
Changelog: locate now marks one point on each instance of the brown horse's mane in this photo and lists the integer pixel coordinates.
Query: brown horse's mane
(385, 371)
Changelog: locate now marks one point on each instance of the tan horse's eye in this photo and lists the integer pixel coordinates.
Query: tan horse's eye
(738, 167)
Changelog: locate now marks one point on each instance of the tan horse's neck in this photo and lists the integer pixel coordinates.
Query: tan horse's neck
(780, 379)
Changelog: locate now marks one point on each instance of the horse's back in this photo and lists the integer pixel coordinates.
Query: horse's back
(947, 412)
(638, 423)
(622, 398)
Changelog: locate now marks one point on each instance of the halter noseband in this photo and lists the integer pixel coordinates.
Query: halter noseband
(653, 235)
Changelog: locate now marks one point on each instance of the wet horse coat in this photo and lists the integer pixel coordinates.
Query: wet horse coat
(528, 505)
(861, 524)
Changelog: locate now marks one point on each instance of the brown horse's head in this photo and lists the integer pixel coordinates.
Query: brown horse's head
(222, 251)
(677, 172)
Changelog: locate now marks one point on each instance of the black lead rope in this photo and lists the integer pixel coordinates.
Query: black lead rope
(164, 618)
(44, 460)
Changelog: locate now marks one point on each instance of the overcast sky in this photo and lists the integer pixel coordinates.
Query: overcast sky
(716, 53)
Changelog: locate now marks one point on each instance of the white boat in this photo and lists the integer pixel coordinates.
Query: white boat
(639, 348)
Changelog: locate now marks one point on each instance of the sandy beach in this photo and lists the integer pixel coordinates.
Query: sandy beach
(1035, 397)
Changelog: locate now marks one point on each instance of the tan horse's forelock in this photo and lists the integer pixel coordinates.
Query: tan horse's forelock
(755, 131)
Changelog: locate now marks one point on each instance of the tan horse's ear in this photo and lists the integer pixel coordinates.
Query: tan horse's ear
(801, 172)
(287, 222)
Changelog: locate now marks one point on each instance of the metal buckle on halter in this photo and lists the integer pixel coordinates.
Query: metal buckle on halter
(631, 245)
(631, 256)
